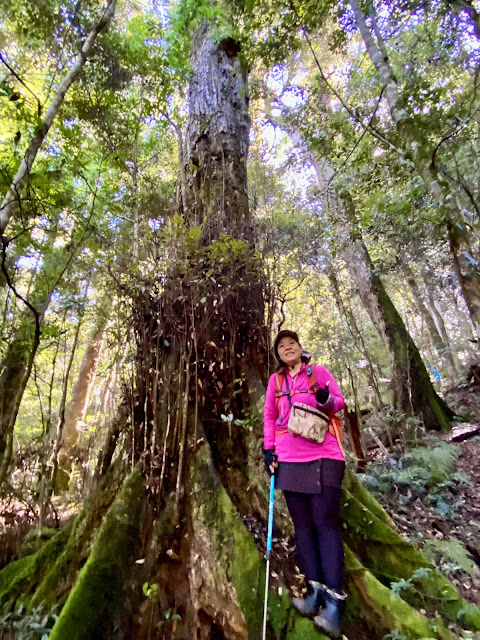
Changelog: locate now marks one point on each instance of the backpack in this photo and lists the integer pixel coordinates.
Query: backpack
(335, 424)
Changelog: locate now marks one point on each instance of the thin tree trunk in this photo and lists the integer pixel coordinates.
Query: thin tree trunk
(77, 409)
(21, 351)
(12, 198)
(356, 333)
(16, 368)
(442, 349)
(50, 469)
(352, 427)
(421, 154)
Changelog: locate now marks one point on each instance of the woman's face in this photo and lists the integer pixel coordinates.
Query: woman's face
(290, 351)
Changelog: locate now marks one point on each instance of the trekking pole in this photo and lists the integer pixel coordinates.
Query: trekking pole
(269, 549)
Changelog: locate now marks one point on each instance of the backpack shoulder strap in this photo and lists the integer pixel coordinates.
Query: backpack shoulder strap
(279, 378)
(312, 378)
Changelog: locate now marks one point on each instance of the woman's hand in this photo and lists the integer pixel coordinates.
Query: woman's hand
(271, 461)
(323, 394)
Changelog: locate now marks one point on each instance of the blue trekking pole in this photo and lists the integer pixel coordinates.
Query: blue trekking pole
(269, 549)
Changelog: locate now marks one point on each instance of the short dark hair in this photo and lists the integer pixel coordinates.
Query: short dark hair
(285, 333)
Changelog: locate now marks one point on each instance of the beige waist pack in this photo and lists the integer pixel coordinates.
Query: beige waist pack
(308, 422)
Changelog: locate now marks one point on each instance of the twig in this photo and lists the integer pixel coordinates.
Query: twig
(12, 71)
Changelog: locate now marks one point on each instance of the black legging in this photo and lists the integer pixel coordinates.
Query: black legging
(317, 534)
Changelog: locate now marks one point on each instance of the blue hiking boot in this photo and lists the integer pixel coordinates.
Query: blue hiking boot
(329, 620)
(313, 601)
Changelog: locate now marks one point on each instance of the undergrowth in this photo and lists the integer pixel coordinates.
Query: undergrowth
(421, 472)
(449, 556)
(23, 625)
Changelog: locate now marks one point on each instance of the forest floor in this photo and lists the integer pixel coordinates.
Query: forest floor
(453, 514)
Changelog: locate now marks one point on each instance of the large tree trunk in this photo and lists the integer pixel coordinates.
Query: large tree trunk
(418, 149)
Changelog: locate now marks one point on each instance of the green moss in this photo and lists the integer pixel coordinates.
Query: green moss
(233, 545)
(19, 578)
(35, 539)
(381, 609)
(59, 577)
(304, 629)
(389, 558)
(98, 591)
(352, 484)
(279, 612)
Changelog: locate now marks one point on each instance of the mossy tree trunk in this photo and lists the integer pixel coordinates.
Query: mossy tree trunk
(413, 390)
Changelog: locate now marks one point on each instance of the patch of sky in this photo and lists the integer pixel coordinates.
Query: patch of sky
(160, 9)
(29, 262)
(70, 124)
(155, 224)
(120, 193)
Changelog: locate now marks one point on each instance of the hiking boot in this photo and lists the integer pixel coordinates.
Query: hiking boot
(313, 601)
(329, 621)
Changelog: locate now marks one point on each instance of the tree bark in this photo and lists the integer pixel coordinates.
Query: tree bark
(216, 141)
(12, 198)
(77, 408)
(16, 368)
(419, 151)
(442, 349)
(355, 331)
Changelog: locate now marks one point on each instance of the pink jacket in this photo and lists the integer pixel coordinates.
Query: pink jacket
(295, 448)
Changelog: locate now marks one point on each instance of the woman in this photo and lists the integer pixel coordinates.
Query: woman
(310, 475)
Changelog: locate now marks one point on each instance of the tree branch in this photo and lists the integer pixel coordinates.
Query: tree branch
(13, 195)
